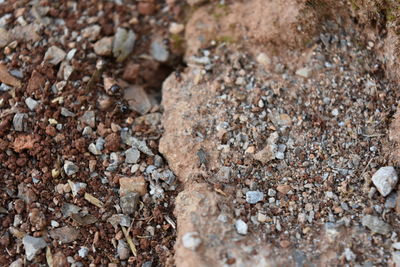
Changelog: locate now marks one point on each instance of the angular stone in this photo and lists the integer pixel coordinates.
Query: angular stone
(129, 202)
(89, 118)
(19, 122)
(123, 250)
(123, 44)
(70, 168)
(385, 180)
(54, 55)
(132, 155)
(137, 99)
(269, 151)
(32, 246)
(103, 47)
(31, 103)
(376, 224)
(241, 227)
(253, 197)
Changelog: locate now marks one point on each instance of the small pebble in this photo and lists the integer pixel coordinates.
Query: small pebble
(385, 179)
(70, 168)
(253, 197)
(191, 240)
(241, 227)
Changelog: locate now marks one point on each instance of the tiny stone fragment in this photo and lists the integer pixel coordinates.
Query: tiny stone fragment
(70, 168)
(376, 225)
(123, 44)
(159, 51)
(191, 240)
(66, 234)
(66, 113)
(123, 250)
(89, 118)
(103, 47)
(241, 227)
(269, 151)
(304, 72)
(385, 179)
(133, 184)
(19, 121)
(31, 103)
(32, 246)
(253, 197)
(54, 55)
(132, 155)
(129, 202)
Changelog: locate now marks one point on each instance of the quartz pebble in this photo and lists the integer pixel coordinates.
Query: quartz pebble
(191, 240)
(385, 180)
(241, 227)
(123, 44)
(159, 51)
(176, 28)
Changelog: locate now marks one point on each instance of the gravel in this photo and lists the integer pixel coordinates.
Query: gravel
(253, 197)
(70, 168)
(241, 227)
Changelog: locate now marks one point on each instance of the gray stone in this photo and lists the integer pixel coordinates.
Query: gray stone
(32, 246)
(241, 227)
(390, 202)
(224, 174)
(66, 113)
(119, 219)
(76, 187)
(132, 155)
(123, 44)
(54, 55)
(31, 103)
(191, 240)
(129, 203)
(385, 180)
(159, 51)
(87, 130)
(100, 143)
(253, 197)
(89, 118)
(376, 225)
(91, 32)
(140, 144)
(70, 168)
(123, 250)
(19, 122)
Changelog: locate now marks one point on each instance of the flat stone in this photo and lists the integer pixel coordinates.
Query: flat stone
(241, 227)
(119, 219)
(132, 184)
(103, 47)
(385, 179)
(253, 197)
(54, 55)
(376, 224)
(70, 168)
(32, 246)
(129, 202)
(132, 155)
(191, 240)
(66, 234)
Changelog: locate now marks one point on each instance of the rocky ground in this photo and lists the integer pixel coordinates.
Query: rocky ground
(187, 133)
